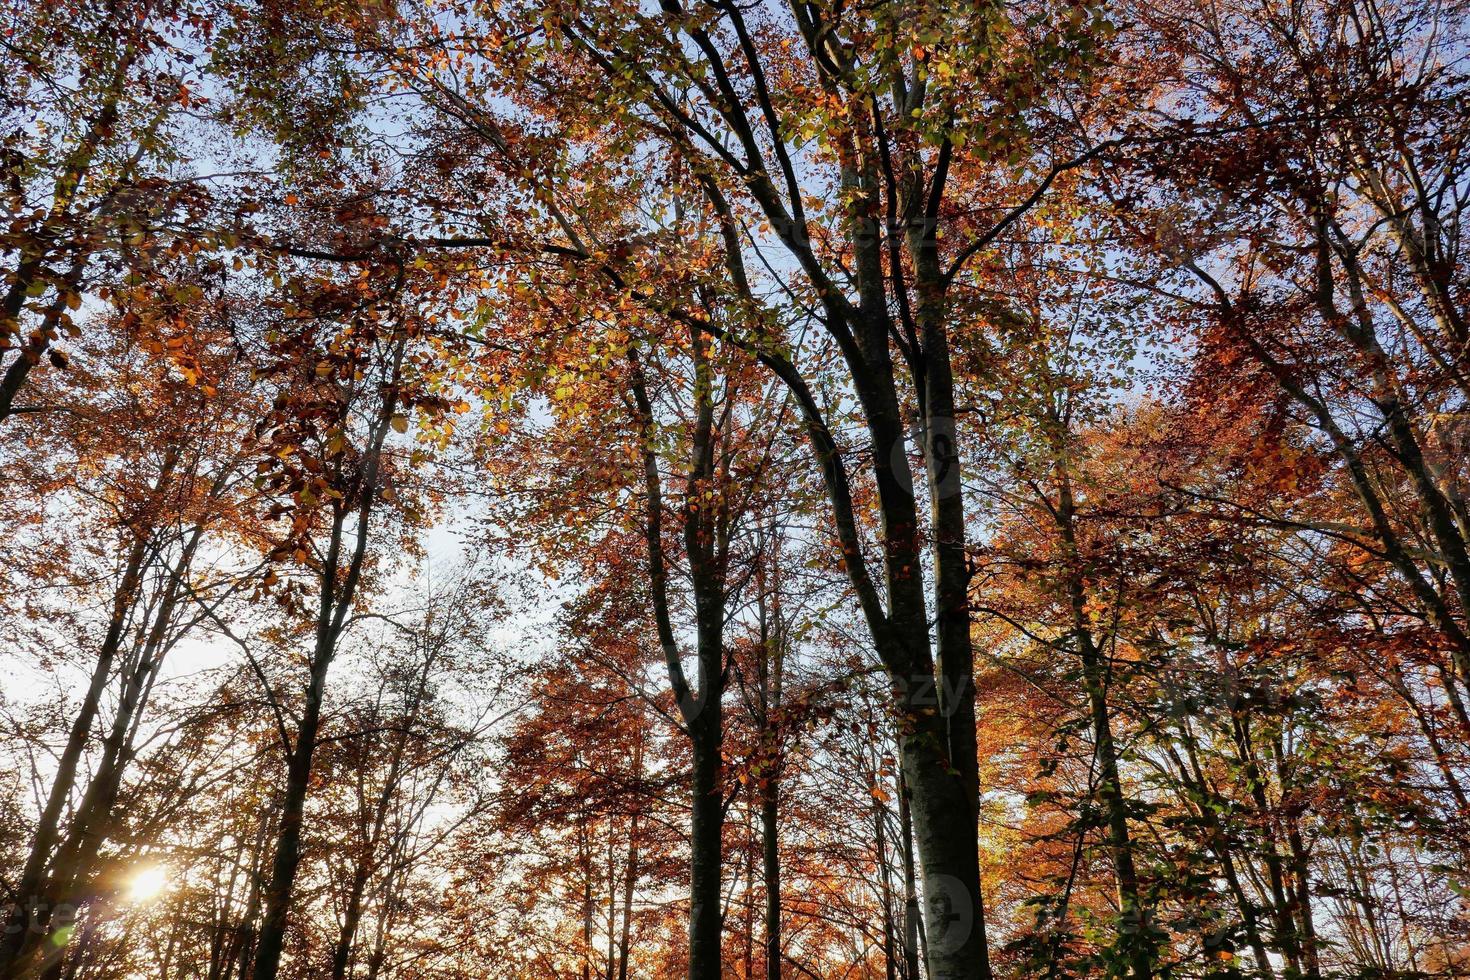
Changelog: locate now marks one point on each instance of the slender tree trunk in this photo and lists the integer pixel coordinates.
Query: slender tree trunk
(1287, 936)
(630, 879)
(77, 856)
(913, 921)
(288, 845)
(351, 917)
(1301, 875)
(771, 873)
(584, 858)
(771, 668)
(30, 916)
(220, 937)
(1204, 805)
(247, 932)
(367, 859)
(240, 946)
(748, 938)
(1135, 932)
(334, 601)
(389, 903)
(91, 826)
(706, 543)
(885, 887)
(611, 964)
(1136, 937)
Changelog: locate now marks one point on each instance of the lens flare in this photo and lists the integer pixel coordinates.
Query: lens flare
(147, 884)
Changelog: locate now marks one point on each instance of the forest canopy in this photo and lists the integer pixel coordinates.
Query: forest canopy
(652, 489)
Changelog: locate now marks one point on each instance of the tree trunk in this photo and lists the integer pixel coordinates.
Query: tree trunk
(334, 600)
(949, 861)
(706, 544)
(630, 878)
(77, 857)
(1205, 805)
(342, 950)
(885, 886)
(913, 922)
(771, 873)
(705, 864)
(288, 845)
(29, 917)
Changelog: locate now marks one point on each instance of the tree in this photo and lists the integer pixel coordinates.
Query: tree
(346, 381)
(98, 100)
(160, 453)
(871, 104)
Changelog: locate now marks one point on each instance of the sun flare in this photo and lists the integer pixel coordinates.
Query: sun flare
(147, 884)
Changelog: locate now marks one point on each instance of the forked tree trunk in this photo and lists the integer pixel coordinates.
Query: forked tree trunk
(706, 544)
(29, 913)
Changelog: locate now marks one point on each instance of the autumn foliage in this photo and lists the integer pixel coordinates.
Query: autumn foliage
(580, 488)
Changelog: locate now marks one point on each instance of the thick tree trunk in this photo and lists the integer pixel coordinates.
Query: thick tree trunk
(705, 865)
(707, 819)
(955, 660)
(949, 860)
(938, 747)
(16, 372)
(32, 262)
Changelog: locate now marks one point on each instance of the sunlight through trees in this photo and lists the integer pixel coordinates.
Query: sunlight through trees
(510, 489)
